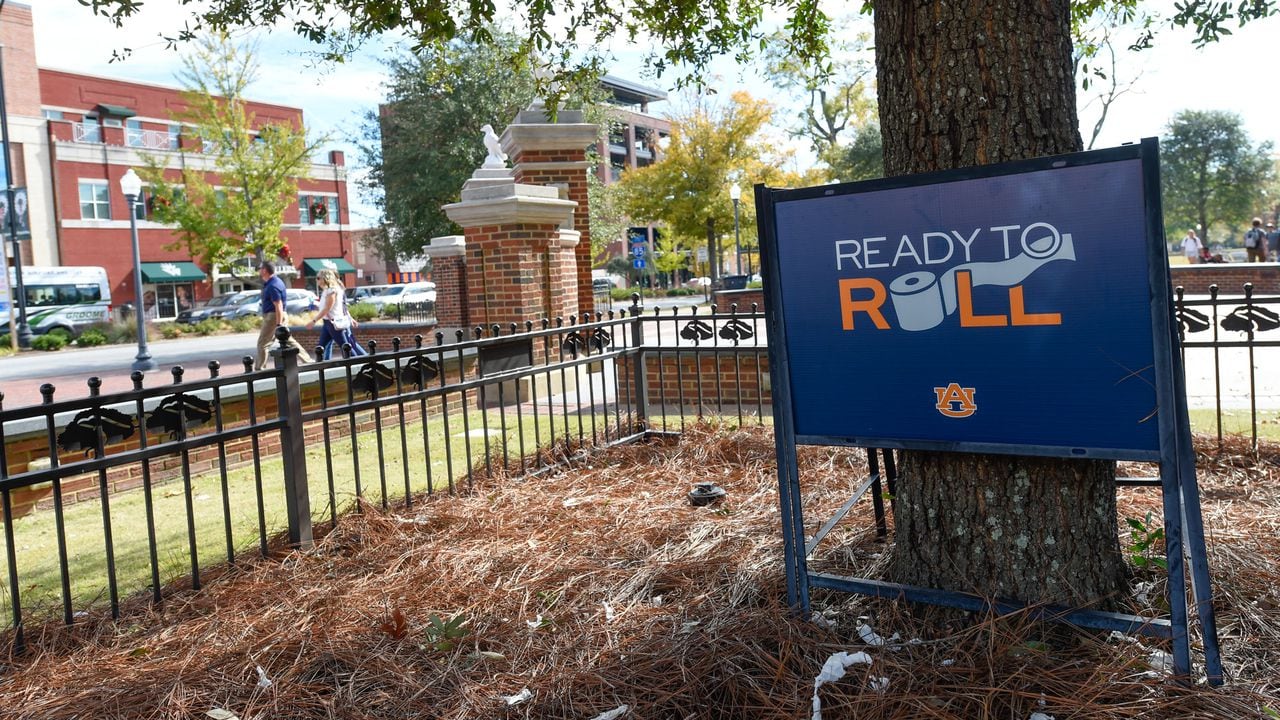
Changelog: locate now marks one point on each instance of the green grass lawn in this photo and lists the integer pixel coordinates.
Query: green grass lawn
(1237, 422)
(35, 536)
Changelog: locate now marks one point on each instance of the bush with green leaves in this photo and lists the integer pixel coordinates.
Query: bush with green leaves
(389, 310)
(207, 327)
(755, 284)
(363, 312)
(91, 337)
(5, 340)
(246, 323)
(169, 331)
(49, 342)
(62, 333)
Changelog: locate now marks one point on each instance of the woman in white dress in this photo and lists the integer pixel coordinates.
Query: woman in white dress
(338, 325)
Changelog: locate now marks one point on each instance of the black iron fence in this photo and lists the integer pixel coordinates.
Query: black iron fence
(129, 493)
(1231, 353)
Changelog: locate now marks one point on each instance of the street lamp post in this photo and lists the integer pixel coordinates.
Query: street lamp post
(23, 331)
(735, 194)
(131, 186)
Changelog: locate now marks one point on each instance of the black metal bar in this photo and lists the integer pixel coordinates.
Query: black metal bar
(104, 492)
(466, 409)
(755, 335)
(214, 367)
(10, 544)
(591, 383)
(715, 344)
(326, 433)
(353, 427)
(1217, 369)
(877, 494)
(404, 433)
(377, 424)
(483, 399)
(640, 375)
(147, 499)
(564, 389)
(188, 496)
(444, 415)
(679, 360)
(257, 455)
(1253, 395)
(293, 443)
(520, 404)
(60, 526)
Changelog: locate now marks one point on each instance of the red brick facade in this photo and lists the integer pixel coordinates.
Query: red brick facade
(71, 129)
(537, 167)
(1230, 279)
(514, 272)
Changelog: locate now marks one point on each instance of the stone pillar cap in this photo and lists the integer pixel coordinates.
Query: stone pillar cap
(548, 136)
(446, 246)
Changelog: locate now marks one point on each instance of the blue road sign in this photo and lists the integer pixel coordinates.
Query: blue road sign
(638, 250)
(638, 263)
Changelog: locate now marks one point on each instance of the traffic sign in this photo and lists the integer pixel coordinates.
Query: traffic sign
(638, 251)
(638, 263)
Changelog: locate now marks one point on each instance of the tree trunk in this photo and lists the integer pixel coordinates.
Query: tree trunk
(963, 84)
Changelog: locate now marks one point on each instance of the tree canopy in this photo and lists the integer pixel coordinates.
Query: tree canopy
(685, 36)
(1212, 173)
(710, 148)
(256, 165)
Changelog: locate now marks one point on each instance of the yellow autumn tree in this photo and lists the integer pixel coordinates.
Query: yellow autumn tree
(711, 147)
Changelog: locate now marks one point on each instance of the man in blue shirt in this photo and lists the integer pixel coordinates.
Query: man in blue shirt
(273, 315)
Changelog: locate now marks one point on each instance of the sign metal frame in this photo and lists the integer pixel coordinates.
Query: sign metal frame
(1184, 530)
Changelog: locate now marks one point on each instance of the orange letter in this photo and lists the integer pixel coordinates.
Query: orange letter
(964, 294)
(848, 306)
(1017, 308)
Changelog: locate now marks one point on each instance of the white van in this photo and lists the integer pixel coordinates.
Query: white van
(70, 298)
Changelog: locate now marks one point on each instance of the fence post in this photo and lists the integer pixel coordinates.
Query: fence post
(293, 447)
(640, 379)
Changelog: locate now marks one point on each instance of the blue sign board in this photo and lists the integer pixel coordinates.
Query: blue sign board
(638, 263)
(995, 313)
(638, 250)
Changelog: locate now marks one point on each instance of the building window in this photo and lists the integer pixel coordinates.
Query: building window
(318, 209)
(164, 301)
(95, 200)
(52, 114)
(175, 132)
(142, 208)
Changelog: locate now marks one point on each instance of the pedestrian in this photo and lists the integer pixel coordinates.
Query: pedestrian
(1192, 248)
(273, 315)
(1255, 242)
(1273, 241)
(337, 325)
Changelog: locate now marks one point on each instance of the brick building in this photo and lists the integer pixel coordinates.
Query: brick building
(73, 136)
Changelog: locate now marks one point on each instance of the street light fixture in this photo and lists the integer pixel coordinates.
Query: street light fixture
(131, 186)
(735, 194)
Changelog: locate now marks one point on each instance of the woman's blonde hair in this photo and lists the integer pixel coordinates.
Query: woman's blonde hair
(330, 279)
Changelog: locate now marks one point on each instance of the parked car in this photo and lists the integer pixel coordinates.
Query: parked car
(242, 304)
(363, 293)
(389, 295)
(418, 292)
(211, 308)
(601, 285)
(296, 301)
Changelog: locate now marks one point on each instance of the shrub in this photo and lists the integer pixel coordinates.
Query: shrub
(91, 337)
(49, 342)
(246, 323)
(363, 312)
(5, 340)
(206, 327)
(755, 284)
(169, 331)
(62, 333)
(121, 333)
(390, 310)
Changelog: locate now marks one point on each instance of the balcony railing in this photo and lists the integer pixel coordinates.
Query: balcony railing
(86, 132)
(150, 139)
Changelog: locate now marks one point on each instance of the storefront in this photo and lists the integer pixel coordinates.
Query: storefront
(168, 288)
(312, 266)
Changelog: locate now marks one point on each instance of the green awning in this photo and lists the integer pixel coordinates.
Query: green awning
(312, 266)
(120, 111)
(171, 272)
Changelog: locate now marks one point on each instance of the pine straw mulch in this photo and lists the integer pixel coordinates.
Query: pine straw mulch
(600, 586)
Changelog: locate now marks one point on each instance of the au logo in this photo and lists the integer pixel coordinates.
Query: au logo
(955, 401)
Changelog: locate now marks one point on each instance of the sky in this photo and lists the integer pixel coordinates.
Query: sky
(1236, 74)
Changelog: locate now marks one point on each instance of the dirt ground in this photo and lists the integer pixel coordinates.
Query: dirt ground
(574, 594)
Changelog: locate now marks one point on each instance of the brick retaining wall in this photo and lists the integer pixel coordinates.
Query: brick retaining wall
(1230, 278)
(701, 377)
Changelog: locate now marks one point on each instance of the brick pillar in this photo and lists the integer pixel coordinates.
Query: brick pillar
(512, 241)
(555, 154)
(449, 272)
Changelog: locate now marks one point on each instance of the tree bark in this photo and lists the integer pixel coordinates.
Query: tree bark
(963, 84)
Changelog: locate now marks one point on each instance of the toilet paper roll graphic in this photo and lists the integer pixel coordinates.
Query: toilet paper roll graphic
(917, 301)
(922, 301)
